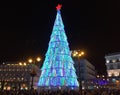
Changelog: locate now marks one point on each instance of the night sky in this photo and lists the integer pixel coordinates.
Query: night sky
(90, 25)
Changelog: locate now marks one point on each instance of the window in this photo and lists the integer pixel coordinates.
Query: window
(118, 66)
(113, 60)
(107, 61)
(116, 73)
(109, 74)
(115, 66)
(108, 67)
(111, 66)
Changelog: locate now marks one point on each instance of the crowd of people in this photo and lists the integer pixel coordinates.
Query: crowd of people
(60, 92)
(19, 92)
(84, 92)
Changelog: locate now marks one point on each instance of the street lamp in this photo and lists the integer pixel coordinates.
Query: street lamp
(30, 60)
(38, 59)
(78, 54)
(33, 72)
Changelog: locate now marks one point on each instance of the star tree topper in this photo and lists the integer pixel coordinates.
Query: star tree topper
(58, 7)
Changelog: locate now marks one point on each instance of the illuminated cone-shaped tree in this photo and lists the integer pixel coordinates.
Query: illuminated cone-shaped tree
(58, 70)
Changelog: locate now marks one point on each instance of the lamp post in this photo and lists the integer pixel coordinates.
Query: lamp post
(78, 54)
(33, 72)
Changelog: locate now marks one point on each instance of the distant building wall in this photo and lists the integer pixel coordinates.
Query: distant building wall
(113, 64)
(17, 76)
(86, 72)
(84, 69)
(113, 70)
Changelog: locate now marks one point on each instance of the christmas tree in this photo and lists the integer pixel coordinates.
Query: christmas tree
(58, 70)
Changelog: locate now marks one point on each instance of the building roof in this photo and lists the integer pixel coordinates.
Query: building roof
(112, 54)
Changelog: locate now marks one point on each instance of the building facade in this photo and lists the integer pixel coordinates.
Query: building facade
(18, 76)
(85, 71)
(113, 68)
(113, 64)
